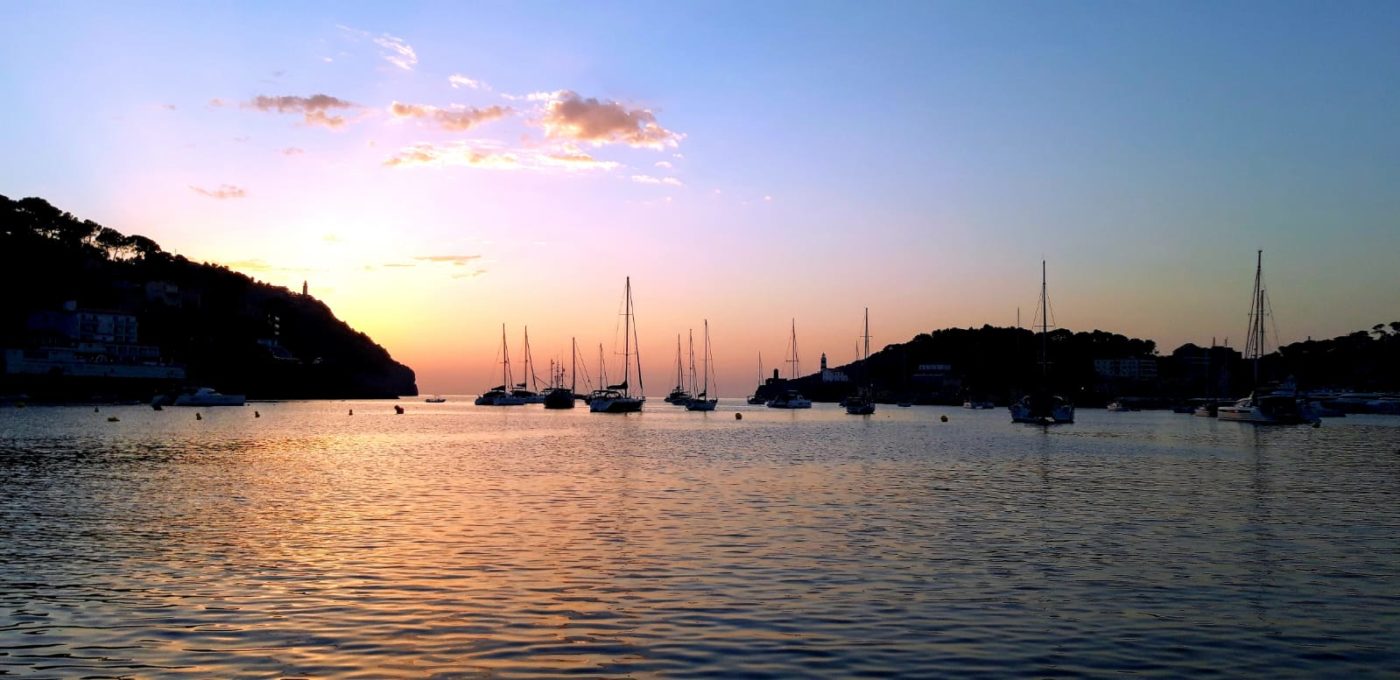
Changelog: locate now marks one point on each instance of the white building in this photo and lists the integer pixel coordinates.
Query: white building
(1132, 369)
(830, 376)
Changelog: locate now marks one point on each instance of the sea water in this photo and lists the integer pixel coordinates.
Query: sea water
(464, 541)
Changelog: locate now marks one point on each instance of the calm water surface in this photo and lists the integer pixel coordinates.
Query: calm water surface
(460, 541)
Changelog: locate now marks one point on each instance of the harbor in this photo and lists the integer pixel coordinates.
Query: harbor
(457, 539)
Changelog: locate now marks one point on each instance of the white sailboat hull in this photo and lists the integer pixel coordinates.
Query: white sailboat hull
(616, 404)
(799, 402)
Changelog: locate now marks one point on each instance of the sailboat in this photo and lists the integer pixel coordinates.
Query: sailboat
(1272, 408)
(702, 400)
(678, 395)
(1041, 407)
(862, 403)
(618, 398)
(755, 398)
(791, 398)
(500, 395)
(531, 395)
(559, 396)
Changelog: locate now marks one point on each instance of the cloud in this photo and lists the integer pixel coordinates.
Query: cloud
(541, 96)
(664, 164)
(573, 159)
(314, 109)
(457, 153)
(492, 155)
(648, 179)
(249, 265)
(469, 275)
(293, 151)
(398, 265)
(216, 102)
(457, 80)
(224, 191)
(569, 116)
(168, 107)
(396, 51)
(260, 265)
(457, 119)
(768, 199)
(458, 260)
(400, 54)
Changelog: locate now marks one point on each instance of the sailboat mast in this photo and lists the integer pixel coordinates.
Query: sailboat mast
(706, 392)
(793, 360)
(680, 372)
(865, 363)
(529, 370)
(627, 336)
(693, 382)
(1257, 318)
(505, 360)
(1044, 326)
(573, 365)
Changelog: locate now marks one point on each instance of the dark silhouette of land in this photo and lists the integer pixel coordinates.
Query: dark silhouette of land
(999, 363)
(91, 312)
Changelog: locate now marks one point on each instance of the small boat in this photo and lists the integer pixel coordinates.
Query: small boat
(207, 396)
(754, 398)
(1040, 407)
(862, 403)
(904, 404)
(679, 396)
(1119, 406)
(619, 398)
(979, 404)
(701, 401)
(791, 398)
(558, 396)
(1266, 409)
(435, 399)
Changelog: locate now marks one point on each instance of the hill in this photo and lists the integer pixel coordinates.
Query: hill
(80, 296)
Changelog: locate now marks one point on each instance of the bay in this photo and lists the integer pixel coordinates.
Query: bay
(461, 541)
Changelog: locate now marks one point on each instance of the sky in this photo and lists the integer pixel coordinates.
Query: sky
(437, 170)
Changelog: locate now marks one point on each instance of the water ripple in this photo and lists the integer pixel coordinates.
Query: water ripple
(459, 542)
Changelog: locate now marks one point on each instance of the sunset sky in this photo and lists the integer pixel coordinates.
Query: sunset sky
(437, 170)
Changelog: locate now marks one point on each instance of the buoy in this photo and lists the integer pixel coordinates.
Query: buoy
(256, 414)
(351, 413)
(1317, 423)
(943, 418)
(398, 410)
(738, 416)
(112, 419)
(198, 417)
(94, 409)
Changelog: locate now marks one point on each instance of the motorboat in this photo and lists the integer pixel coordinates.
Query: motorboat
(208, 396)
